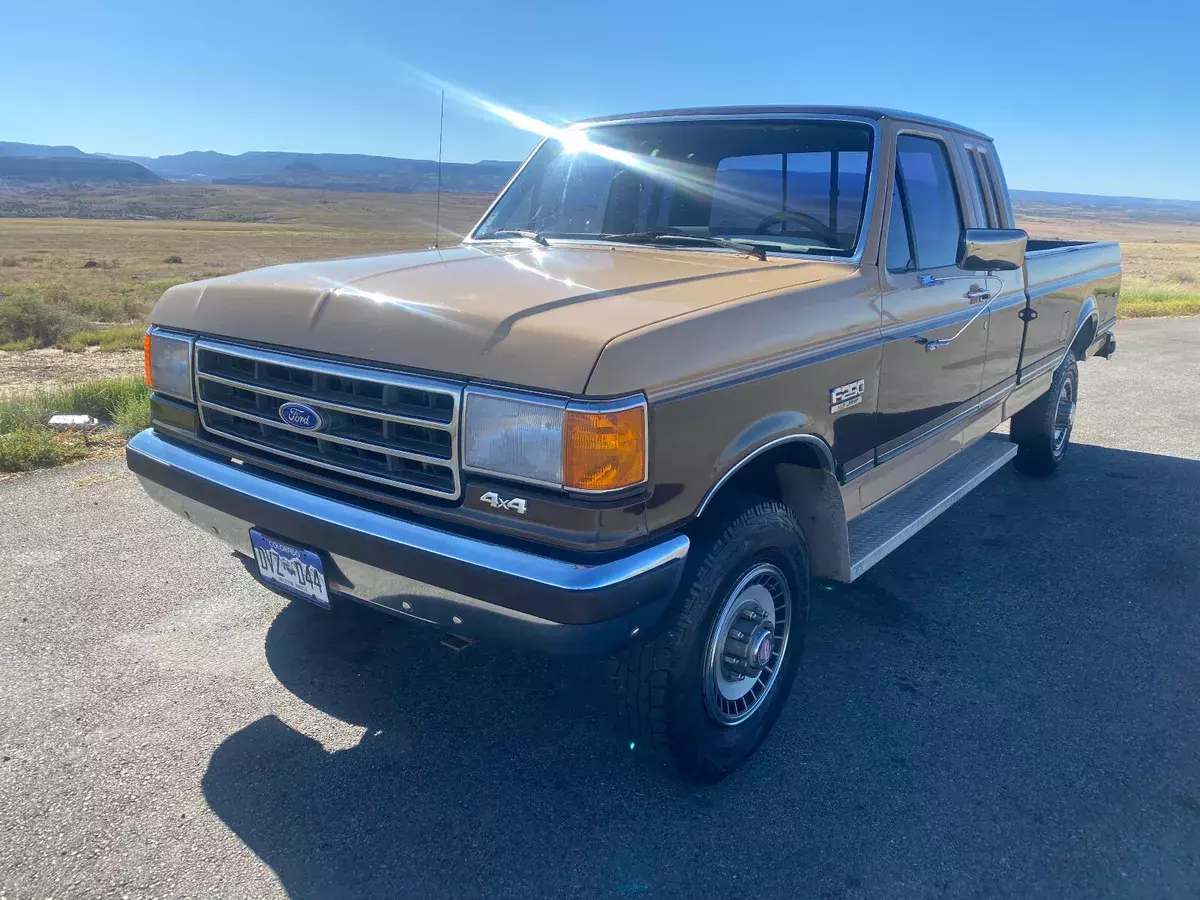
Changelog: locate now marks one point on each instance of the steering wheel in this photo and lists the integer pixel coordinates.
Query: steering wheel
(812, 225)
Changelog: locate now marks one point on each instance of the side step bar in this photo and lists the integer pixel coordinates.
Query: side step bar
(896, 518)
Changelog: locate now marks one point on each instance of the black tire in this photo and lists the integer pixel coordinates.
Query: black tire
(1036, 428)
(660, 683)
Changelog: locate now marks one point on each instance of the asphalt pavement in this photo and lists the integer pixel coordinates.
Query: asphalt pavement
(1008, 706)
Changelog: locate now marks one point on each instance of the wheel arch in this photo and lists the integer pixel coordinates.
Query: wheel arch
(798, 470)
(1085, 329)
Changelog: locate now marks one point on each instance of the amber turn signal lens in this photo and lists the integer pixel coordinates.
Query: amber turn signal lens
(146, 358)
(604, 451)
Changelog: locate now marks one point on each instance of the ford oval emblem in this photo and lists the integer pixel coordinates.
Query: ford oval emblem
(301, 415)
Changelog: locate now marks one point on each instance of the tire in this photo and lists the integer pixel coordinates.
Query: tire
(1042, 430)
(671, 698)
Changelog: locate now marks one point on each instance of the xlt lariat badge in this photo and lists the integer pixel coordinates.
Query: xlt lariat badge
(846, 395)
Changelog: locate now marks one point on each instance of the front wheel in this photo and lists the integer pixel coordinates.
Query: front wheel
(705, 691)
(1042, 430)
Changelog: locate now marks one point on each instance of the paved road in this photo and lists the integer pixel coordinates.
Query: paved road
(1008, 706)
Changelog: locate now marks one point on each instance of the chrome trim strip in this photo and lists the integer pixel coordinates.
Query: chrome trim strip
(978, 405)
(518, 564)
(776, 365)
(1004, 452)
(327, 404)
(1043, 365)
(613, 406)
(190, 339)
(561, 403)
(383, 449)
(333, 467)
(344, 370)
(1050, 287)
(400, 480)
(812, 439)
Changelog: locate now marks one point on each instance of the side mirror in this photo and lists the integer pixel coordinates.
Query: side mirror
(992, 249)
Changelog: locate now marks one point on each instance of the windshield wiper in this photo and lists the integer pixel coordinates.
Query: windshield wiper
(649, 237)
(513, 232)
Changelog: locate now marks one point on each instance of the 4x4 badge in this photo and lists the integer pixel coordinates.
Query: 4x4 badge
(495, 501)
(846, 395)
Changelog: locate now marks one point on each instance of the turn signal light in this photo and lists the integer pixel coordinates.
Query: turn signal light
(146, 358)
(604, 451)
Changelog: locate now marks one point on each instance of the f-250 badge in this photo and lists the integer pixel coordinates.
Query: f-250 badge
(495, 501)
(846, 395)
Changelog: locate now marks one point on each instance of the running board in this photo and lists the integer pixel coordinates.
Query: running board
(897, 517)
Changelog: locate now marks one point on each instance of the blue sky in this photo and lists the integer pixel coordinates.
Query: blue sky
(1092, 97)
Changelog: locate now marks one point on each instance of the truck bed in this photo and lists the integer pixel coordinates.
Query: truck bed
(1065, 275)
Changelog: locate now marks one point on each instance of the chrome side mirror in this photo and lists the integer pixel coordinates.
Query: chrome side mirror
(992, 249)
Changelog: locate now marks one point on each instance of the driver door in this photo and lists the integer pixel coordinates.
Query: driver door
(935, 315)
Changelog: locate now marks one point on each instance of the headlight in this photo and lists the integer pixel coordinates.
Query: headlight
(168, 363)
(580, 446)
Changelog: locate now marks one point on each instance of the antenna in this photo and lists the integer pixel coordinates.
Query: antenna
(437, 218)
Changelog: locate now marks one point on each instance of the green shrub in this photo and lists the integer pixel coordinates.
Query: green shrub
(36, 448)
(23, 344)
(1143, 299)
(133, 414)
(24, 316)
(122, 337)
(100, 399)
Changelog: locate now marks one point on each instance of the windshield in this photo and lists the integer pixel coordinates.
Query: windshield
(795, 186)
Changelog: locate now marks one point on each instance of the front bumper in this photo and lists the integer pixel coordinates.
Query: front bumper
(462, 584)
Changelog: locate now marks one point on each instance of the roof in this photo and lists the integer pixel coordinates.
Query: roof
(862, 112)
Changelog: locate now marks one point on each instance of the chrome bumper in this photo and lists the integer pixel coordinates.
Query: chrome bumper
(465, 585)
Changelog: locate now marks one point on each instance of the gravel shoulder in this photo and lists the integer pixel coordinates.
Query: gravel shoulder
(30, 370)
(1005, 707)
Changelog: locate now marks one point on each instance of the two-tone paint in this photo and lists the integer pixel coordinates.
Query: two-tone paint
(738, 357)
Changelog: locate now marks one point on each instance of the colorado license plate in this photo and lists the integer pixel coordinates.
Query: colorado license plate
(292, 568)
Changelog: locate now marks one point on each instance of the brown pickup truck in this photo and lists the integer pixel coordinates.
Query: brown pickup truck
(688, 362)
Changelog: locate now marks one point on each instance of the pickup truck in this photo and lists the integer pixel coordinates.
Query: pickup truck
(688, 363)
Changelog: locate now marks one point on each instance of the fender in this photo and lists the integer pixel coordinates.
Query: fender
(1087, 312)
(824, 453)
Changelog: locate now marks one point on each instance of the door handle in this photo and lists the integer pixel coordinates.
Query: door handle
(978, 295)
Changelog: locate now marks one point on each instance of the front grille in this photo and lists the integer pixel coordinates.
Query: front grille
(381, 426)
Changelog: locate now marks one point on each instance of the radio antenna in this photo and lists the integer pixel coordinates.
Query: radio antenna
(437, 216)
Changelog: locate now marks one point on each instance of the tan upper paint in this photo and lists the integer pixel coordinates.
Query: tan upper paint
(504, 313)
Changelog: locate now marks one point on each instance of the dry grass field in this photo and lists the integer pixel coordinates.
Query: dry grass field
(66, 281)
(1160, 260)
(81, 271)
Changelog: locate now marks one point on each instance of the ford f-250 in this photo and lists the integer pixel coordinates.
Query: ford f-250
(687, 362)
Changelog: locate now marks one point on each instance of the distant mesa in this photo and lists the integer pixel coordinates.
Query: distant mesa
(60, 170)
(24, 166)
(321, 171)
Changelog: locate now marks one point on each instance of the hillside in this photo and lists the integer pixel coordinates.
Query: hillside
(24, 173)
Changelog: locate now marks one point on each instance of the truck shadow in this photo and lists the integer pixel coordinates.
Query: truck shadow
(952, 710)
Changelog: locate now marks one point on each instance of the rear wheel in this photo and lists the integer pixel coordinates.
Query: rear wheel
(1042, 430)
(703, 693)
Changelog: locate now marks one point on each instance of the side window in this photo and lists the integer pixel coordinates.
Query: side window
(1002, 216)
(927, 183)
(981, 191)
(900, 256)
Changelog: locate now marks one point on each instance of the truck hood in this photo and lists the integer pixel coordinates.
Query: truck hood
(500, 313)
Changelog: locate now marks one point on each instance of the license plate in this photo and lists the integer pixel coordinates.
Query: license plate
(292, 568)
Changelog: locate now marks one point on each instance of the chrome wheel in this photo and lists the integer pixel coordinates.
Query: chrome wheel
(747, 644)
(1064, 416)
